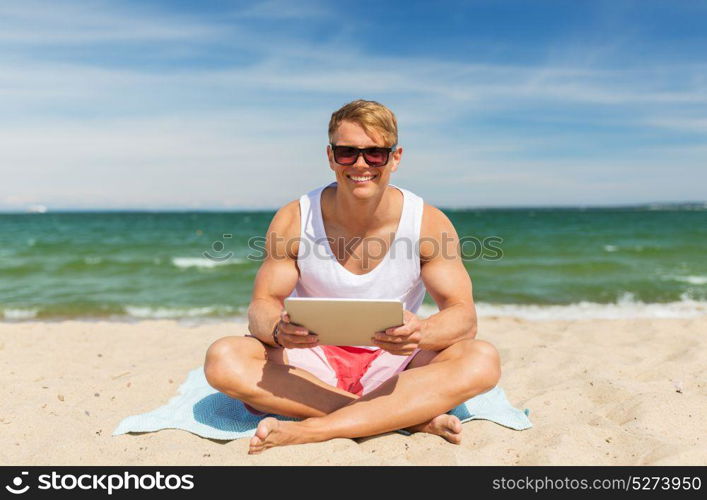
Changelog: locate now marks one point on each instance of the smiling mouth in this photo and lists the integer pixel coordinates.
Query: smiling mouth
(360, 179)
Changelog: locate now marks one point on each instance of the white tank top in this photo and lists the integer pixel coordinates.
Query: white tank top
(396, 276)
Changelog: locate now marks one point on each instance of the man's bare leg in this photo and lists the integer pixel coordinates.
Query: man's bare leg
(457, 373)
(245, 369)
(445, 425)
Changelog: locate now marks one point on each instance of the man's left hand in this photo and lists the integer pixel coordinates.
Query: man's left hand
(401, 340)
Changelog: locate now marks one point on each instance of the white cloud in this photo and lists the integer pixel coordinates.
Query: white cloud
(69, 22)
(686, 123)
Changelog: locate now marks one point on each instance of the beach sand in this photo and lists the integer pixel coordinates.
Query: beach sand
(600, 392)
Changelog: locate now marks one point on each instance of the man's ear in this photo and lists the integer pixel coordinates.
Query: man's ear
(330, 157)
(397, 155)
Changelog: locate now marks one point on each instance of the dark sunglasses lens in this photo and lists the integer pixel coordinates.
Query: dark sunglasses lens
(376, 157)
(344, 155)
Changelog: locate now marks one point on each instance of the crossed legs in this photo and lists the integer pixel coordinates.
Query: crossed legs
(244, 368)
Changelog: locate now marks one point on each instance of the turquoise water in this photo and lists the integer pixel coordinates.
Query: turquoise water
(90, 265)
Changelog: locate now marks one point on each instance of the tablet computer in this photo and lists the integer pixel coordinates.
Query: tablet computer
(344, 321)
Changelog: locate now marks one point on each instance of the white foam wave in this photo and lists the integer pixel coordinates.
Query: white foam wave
(20, 313)
(204, 263)
(611, 248)
(624, 308)
(175, 312)
(693, 280)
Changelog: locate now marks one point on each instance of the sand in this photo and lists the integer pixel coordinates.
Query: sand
(600, 392)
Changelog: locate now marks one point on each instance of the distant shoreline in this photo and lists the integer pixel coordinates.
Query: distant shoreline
(651, 206)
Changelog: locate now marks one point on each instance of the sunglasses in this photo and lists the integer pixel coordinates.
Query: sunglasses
(374, 157)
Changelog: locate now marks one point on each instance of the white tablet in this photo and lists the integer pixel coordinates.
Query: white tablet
(349, 322)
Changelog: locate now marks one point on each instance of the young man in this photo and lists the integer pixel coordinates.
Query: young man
(342, 240)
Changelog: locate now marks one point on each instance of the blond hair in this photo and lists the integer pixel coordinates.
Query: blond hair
(371, 116)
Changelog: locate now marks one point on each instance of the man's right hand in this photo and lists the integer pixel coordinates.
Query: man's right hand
(294, 336)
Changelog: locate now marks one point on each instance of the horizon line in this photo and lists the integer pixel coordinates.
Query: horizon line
(65, 210)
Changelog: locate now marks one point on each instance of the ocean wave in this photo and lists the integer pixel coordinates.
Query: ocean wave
(177, 312)
(693, 280)
(610, 248)
(626, 307)
(204, 263)
(14, 314)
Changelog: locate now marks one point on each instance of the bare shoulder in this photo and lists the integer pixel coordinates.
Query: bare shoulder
(436, 230)
(283, 233)
(434, 221)
(285, 218)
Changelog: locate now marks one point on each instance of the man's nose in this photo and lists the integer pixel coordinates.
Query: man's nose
(360, 161)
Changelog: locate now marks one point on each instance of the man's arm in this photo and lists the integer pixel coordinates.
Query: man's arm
(277, 275)
(449, 285)
(447, 281)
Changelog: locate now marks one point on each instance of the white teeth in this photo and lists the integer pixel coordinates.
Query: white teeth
(362, 178)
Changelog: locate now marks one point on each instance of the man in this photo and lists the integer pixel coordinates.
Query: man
(341, 240)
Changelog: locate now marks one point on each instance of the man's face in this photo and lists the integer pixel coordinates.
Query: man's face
(361, 179)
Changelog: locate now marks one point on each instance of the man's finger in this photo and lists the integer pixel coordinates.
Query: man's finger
(389, 338)
(398, 338)
(399, 330)
(394, 346)
(300, 339)
(293, 329)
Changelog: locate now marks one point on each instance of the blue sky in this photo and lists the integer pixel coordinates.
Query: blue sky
(225, 104)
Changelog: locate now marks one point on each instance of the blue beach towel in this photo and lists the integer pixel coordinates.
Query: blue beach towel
(201, 410)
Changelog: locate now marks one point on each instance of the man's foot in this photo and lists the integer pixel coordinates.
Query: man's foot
(272, 432)
(447, 426)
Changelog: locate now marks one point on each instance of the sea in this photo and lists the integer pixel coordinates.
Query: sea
(568, 263)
